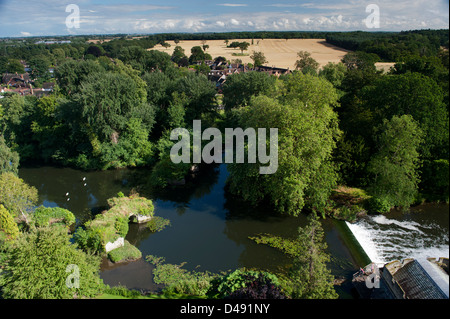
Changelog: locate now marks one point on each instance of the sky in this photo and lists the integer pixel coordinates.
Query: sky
(50, 17)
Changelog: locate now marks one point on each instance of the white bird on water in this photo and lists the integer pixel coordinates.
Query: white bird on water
(84, 178)
(67, 194)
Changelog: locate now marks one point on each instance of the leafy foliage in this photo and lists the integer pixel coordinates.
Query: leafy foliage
(308, 277)
(158, 223)
(17, 197)
(112, 224)
(178, 280)
(125, 253)
(396, 163)
(46, 216)
(307, 129)
(9, 160)
(247, 284)
(48, 252)
(7, 224)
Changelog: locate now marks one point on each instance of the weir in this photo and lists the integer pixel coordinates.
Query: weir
(385, 239)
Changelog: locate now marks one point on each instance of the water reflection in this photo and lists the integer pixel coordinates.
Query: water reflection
(209, 226)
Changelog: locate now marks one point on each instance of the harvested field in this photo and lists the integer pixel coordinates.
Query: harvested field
(384, 66)
(279, 52)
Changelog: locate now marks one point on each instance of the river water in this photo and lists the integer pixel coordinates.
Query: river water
(421, 232)
(210, 229)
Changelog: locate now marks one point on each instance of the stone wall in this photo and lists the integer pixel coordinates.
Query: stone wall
(120, 242)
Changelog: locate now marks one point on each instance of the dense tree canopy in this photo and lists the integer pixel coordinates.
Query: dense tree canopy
(49, 253)
(306, 137)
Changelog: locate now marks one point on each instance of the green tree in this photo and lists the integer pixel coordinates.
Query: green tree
(243, 46)
(309, 276)
(305, 140)
(178, 54)
(47, 128)
(39, 66)
(48, 253)
(7, 224)
(396, 162)
(12, 66)
(200, 92)
(360, 60)
(17, 197)
(197, 54)
(9, 160)
(417, 95)
(334, 73)
(258, 58)
(240, 87)
(107, 105)
(70, 74)
(306, 63)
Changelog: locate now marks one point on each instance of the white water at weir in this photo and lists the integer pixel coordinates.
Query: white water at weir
(384, 239)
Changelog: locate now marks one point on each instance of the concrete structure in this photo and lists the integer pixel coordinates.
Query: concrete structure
(120, 242)
(407, 279)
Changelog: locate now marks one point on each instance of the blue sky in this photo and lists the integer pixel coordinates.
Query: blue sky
(48, 17)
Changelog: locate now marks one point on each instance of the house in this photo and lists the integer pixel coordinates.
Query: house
(407, 279)
(16, 80)
(416, 279)
(48, 86)
(273, 70)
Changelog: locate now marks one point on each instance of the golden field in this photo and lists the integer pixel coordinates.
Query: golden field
(279, 52)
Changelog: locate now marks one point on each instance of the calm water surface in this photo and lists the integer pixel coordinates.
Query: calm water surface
(209, 228)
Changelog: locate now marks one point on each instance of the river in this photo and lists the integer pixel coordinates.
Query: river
(209, 228)
(419, 233)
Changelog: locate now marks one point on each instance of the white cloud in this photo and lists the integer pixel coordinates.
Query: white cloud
(234, 22)
(46, 19)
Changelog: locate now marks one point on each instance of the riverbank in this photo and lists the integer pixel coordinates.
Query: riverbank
(209, 229)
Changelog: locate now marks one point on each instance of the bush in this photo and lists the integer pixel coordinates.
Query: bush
(112, 224)
(7, 224)
(248, 284)
(46, 216)
(123, 292)
(435, 180)
(121, 225)
(379, 205)
(126, 253)
(179, 281)
(36, 267)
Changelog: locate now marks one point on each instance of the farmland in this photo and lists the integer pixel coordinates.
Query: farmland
(279, 52)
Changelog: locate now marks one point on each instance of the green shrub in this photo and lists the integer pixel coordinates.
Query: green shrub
(379, 205)
(46, 216)
(36, 267)
(133, 204)
(121, 225)
(112, 224)
(7, 224)
(239, 279)
(126, 253)
(179, 281)
(123, 292)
